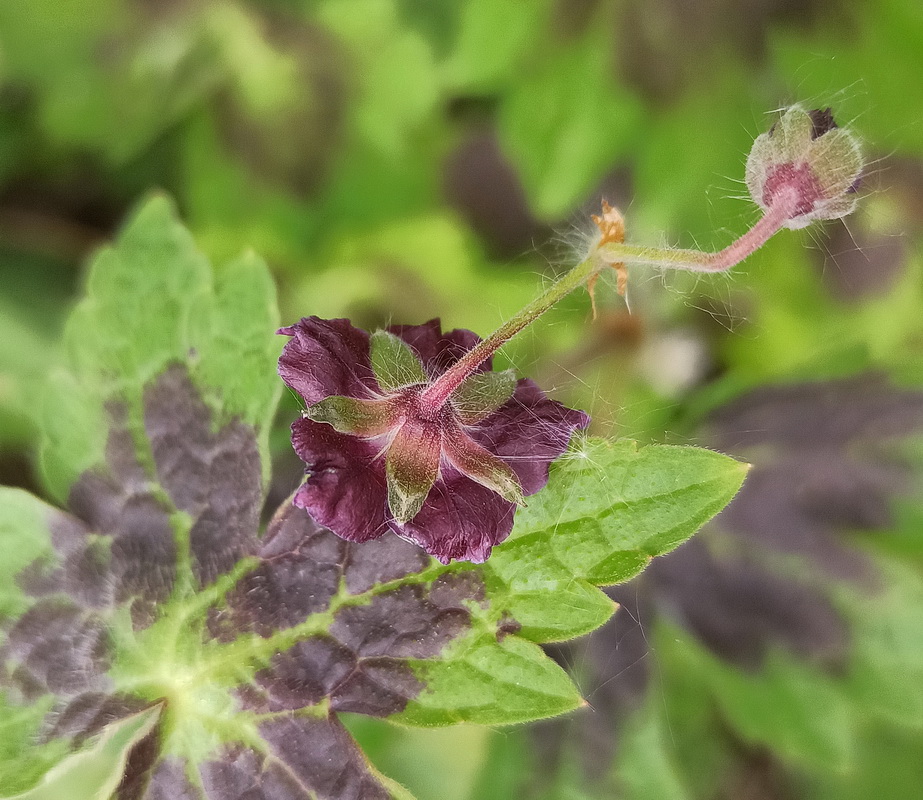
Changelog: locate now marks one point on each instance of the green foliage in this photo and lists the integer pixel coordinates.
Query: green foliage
(567, 122)
(332, 137)
(98, 770)
(137, 319)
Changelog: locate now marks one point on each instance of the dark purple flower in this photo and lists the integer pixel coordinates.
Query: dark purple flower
(380, 455)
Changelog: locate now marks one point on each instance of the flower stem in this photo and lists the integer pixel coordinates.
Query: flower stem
(700, 261)
(438, 393)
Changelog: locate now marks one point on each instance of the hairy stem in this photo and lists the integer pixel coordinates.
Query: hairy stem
(438, 393)
(700, 261)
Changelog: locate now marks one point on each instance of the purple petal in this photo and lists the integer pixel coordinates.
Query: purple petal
(327, 357)
(345, 490)
(460, 519)
(528, 433)
(821, 121)
(438, 351)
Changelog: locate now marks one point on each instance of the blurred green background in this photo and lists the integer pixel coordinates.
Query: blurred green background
(396, 160)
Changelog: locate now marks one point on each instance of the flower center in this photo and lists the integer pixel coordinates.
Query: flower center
(799, 177)
(416, 405)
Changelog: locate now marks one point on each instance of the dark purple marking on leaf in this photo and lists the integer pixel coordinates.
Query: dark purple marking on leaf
(824, 467)
(481, 184)
(320, 667)
(142, 559)
(60, 648)
(507, 626)
(304, 674)
(454, 589)
(170, 782)
(381, 560)
(299, 572)
(139, 767)
(379, 687)
(739, 609)
(214, 477)
(85, 574)
(87, 714)
(241, 774)
(40, 578)
(324, 757)
(79, 568)
(822, 414)
(402, 623)
(857, 264)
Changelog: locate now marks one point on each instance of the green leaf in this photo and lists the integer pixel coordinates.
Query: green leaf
(494, 37)
(96, 772)
(788, 705)
(885, 678)
(393, 68)
(492, 680)
(159, 590)
(24, 537)
(645, 767)
(151, 302)
(610, 507)
(568, 123)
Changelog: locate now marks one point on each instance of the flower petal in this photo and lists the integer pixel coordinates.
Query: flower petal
(327, 357)
(412, 466)
(345, 489)
(482, 466)
(528, 433)
(460, 519)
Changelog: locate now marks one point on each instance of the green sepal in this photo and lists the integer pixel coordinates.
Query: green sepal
(792, 135)
(481, 394)
(349, 415)
(394, 362)
(836, 160)
(411, 468)
(482, 466)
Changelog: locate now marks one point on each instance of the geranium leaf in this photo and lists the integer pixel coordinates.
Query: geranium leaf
(158, 590)
(97, 771)
(611, 507)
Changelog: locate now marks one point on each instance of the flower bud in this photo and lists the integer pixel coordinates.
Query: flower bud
(805, 152)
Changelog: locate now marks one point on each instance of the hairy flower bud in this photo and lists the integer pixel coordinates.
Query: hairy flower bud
(807, 155)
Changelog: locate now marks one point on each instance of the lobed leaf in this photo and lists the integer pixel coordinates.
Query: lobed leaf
(157, 590)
